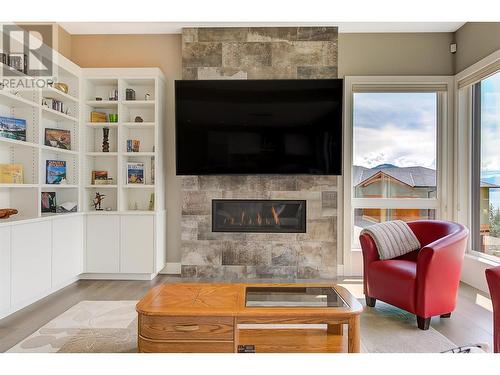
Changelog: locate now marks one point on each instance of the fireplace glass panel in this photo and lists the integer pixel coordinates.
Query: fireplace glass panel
(266, 216)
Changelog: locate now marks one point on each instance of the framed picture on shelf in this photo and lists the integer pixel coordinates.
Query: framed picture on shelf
(99, 175)
(49, 201)
(58, 138)
(55, 172)
(11, 174)
(13, 128)
(135, 173)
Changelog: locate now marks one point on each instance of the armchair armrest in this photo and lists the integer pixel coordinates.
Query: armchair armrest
(370, 254)
(439, 265)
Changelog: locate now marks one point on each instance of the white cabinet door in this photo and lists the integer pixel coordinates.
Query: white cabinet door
(67, 249)
(137, 244)
(4, 268)
(103, 244)
(31, 260)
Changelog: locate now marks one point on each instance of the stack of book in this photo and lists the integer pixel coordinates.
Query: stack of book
(54, 104)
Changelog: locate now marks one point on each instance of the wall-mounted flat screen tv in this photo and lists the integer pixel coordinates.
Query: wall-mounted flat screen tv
(259, 127)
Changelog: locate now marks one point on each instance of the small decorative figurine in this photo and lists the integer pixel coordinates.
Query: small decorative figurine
(6, 212)
(147, 97)
(138, 119)
(97, 201)
(105, 139)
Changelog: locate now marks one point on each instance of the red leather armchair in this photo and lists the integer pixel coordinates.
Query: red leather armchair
(423, 282)
(493, 278)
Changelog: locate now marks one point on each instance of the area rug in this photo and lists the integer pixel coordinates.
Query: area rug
(111, 327)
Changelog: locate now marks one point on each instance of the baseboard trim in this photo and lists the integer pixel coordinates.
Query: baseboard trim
(117, 276)
(171, 269)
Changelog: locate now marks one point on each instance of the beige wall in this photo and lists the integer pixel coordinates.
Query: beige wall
(395, 54)
(163, 51)
(64, 40)
(475, 40)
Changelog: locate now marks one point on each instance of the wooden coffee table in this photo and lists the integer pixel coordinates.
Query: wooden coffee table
(217, 318)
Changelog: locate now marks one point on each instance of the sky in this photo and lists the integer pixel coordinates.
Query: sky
(490, 134)
(395, 128)
(401, 128)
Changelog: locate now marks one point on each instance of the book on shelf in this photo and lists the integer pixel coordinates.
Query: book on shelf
(135, 173)
(133, 145)
(55, 172)
(58, 138)
(67, 207)
(48, 201)
(11, 174)
(152, 170)
(98, 116)
(13, 128)
(55, 104)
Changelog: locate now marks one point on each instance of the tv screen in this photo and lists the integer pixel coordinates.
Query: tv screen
(259, 127)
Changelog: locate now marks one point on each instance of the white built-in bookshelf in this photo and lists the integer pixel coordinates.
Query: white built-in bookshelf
(43, 252)
(86, 153)
(32, 154)
(121, 196)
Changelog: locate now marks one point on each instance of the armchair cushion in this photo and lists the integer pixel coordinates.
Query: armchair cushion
(393, 281)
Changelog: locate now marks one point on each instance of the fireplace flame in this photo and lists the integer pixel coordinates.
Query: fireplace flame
(275, 216)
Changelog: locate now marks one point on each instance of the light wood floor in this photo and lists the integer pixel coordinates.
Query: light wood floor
(470, 323)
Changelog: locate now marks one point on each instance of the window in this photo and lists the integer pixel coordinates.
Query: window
(394, 170)
(486, 166)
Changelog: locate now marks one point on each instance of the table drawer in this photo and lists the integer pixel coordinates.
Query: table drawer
(202, 346)
(186, 328)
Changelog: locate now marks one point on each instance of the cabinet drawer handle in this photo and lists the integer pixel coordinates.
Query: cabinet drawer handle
(187, 328)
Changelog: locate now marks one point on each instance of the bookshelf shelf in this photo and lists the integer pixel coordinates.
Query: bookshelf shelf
(12, 100)
(138, 103)
(56, 115)
(50, 92)
(102, 154)
(110, 104)
(18, 186)
(15, 142)
(139, 154)
(138, 125)
(57, 150)
(101, 186)
(139, 186)
(100, 125)
(59, 186)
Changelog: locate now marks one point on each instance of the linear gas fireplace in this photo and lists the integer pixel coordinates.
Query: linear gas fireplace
(259, 215)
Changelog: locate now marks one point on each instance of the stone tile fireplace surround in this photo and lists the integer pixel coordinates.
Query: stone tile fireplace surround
(259, 53)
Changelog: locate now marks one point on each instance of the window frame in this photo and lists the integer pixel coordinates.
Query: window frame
(444, 86)
(466, 95)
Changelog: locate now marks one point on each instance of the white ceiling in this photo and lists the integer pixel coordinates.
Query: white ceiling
(176, 27)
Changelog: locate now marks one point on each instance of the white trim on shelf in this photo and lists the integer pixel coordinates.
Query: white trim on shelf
(59, 186)
(99, 125)
(101, 186)
(107, 104)
(138, 153)
(138, 125)
(100, 153)
(138, 103)
(15, 100)
(21, 186)
(56, 115)
(139, 186)
(58, 150)
(15, 142)
(50, 92)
